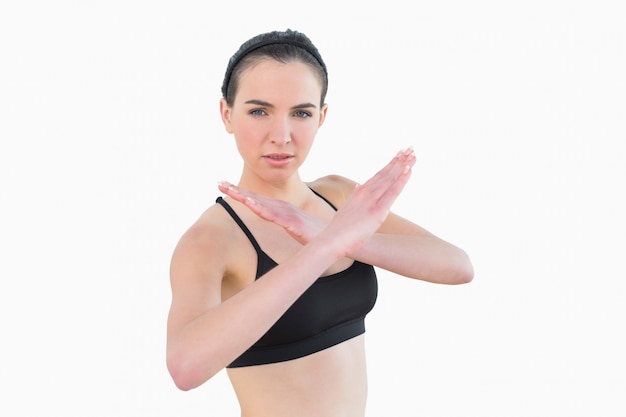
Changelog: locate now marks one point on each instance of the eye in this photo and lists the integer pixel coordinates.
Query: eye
(257, 112)
(302, 114)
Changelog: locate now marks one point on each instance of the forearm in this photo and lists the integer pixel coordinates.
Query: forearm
(210, 342)
(427, 258)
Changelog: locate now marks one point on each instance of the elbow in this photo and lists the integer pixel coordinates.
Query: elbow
(465, 269)
(182, 381)
(465, 277)
(458, 270)
(185, 372)
(182, 375)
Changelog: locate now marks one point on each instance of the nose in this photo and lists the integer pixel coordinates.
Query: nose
(280, 132)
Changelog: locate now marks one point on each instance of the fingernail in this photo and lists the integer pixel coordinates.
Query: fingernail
(409, 150)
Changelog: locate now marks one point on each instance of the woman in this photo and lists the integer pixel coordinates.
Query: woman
(274, 280)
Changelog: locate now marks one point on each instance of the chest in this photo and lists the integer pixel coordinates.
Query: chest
(260, 243)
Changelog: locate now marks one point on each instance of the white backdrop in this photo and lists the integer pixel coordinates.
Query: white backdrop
(111, 146)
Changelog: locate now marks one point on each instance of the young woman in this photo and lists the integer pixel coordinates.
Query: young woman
(274, 281)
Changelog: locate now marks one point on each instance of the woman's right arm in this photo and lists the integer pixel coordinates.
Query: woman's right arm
(205, 334)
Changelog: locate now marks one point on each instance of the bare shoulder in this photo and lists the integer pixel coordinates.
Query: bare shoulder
(203, 236)
(334, 188)
(201, 258)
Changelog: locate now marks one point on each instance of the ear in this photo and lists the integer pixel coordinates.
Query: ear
(323, 111)
(225, 112)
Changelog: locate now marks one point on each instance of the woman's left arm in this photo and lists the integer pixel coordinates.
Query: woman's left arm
(403, 247)
(407, 249)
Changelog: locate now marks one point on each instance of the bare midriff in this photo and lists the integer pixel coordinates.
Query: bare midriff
(330, 383)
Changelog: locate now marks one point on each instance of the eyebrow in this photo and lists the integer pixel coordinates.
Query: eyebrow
(266, 104)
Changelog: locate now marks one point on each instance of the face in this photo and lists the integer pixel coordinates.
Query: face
(274, 118)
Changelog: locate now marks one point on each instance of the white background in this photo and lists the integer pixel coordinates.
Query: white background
(111, 146)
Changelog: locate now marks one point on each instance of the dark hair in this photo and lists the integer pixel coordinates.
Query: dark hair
(287, 46)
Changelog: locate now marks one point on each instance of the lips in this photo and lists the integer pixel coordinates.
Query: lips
(278, 159)
(278, 156)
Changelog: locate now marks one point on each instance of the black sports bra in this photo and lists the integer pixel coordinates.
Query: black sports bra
(332, 310)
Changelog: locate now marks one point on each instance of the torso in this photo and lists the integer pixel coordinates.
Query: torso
(272, 238)
(331, 382)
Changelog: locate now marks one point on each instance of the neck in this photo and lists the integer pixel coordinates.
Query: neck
(292, 190)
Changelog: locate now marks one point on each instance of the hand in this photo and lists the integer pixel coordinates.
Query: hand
(299, 224)
(368, 205)
(364, 211)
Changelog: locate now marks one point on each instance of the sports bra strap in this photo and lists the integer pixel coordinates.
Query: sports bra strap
(247, 231)
(239, 222)
(323, 198)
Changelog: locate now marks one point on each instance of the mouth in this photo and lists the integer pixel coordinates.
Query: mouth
(278, 159)
(278, 156)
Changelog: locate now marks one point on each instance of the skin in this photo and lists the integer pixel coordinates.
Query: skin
(218, 310)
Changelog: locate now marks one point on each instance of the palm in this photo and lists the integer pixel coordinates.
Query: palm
(368, 205)
(299, 224)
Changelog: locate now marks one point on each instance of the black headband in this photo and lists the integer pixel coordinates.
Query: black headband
(239, 55)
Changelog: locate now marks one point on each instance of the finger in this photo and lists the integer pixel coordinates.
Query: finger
(230, 189)
(395, 188)
(255, 202)
(397, 164)
(223, 186)
(392, 184)
(236, 193)
(390, 173)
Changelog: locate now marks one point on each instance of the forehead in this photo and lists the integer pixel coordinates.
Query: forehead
(274, 81)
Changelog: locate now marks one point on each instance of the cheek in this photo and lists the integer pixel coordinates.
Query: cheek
(247, 132)
(310, 135)
(306, 130)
